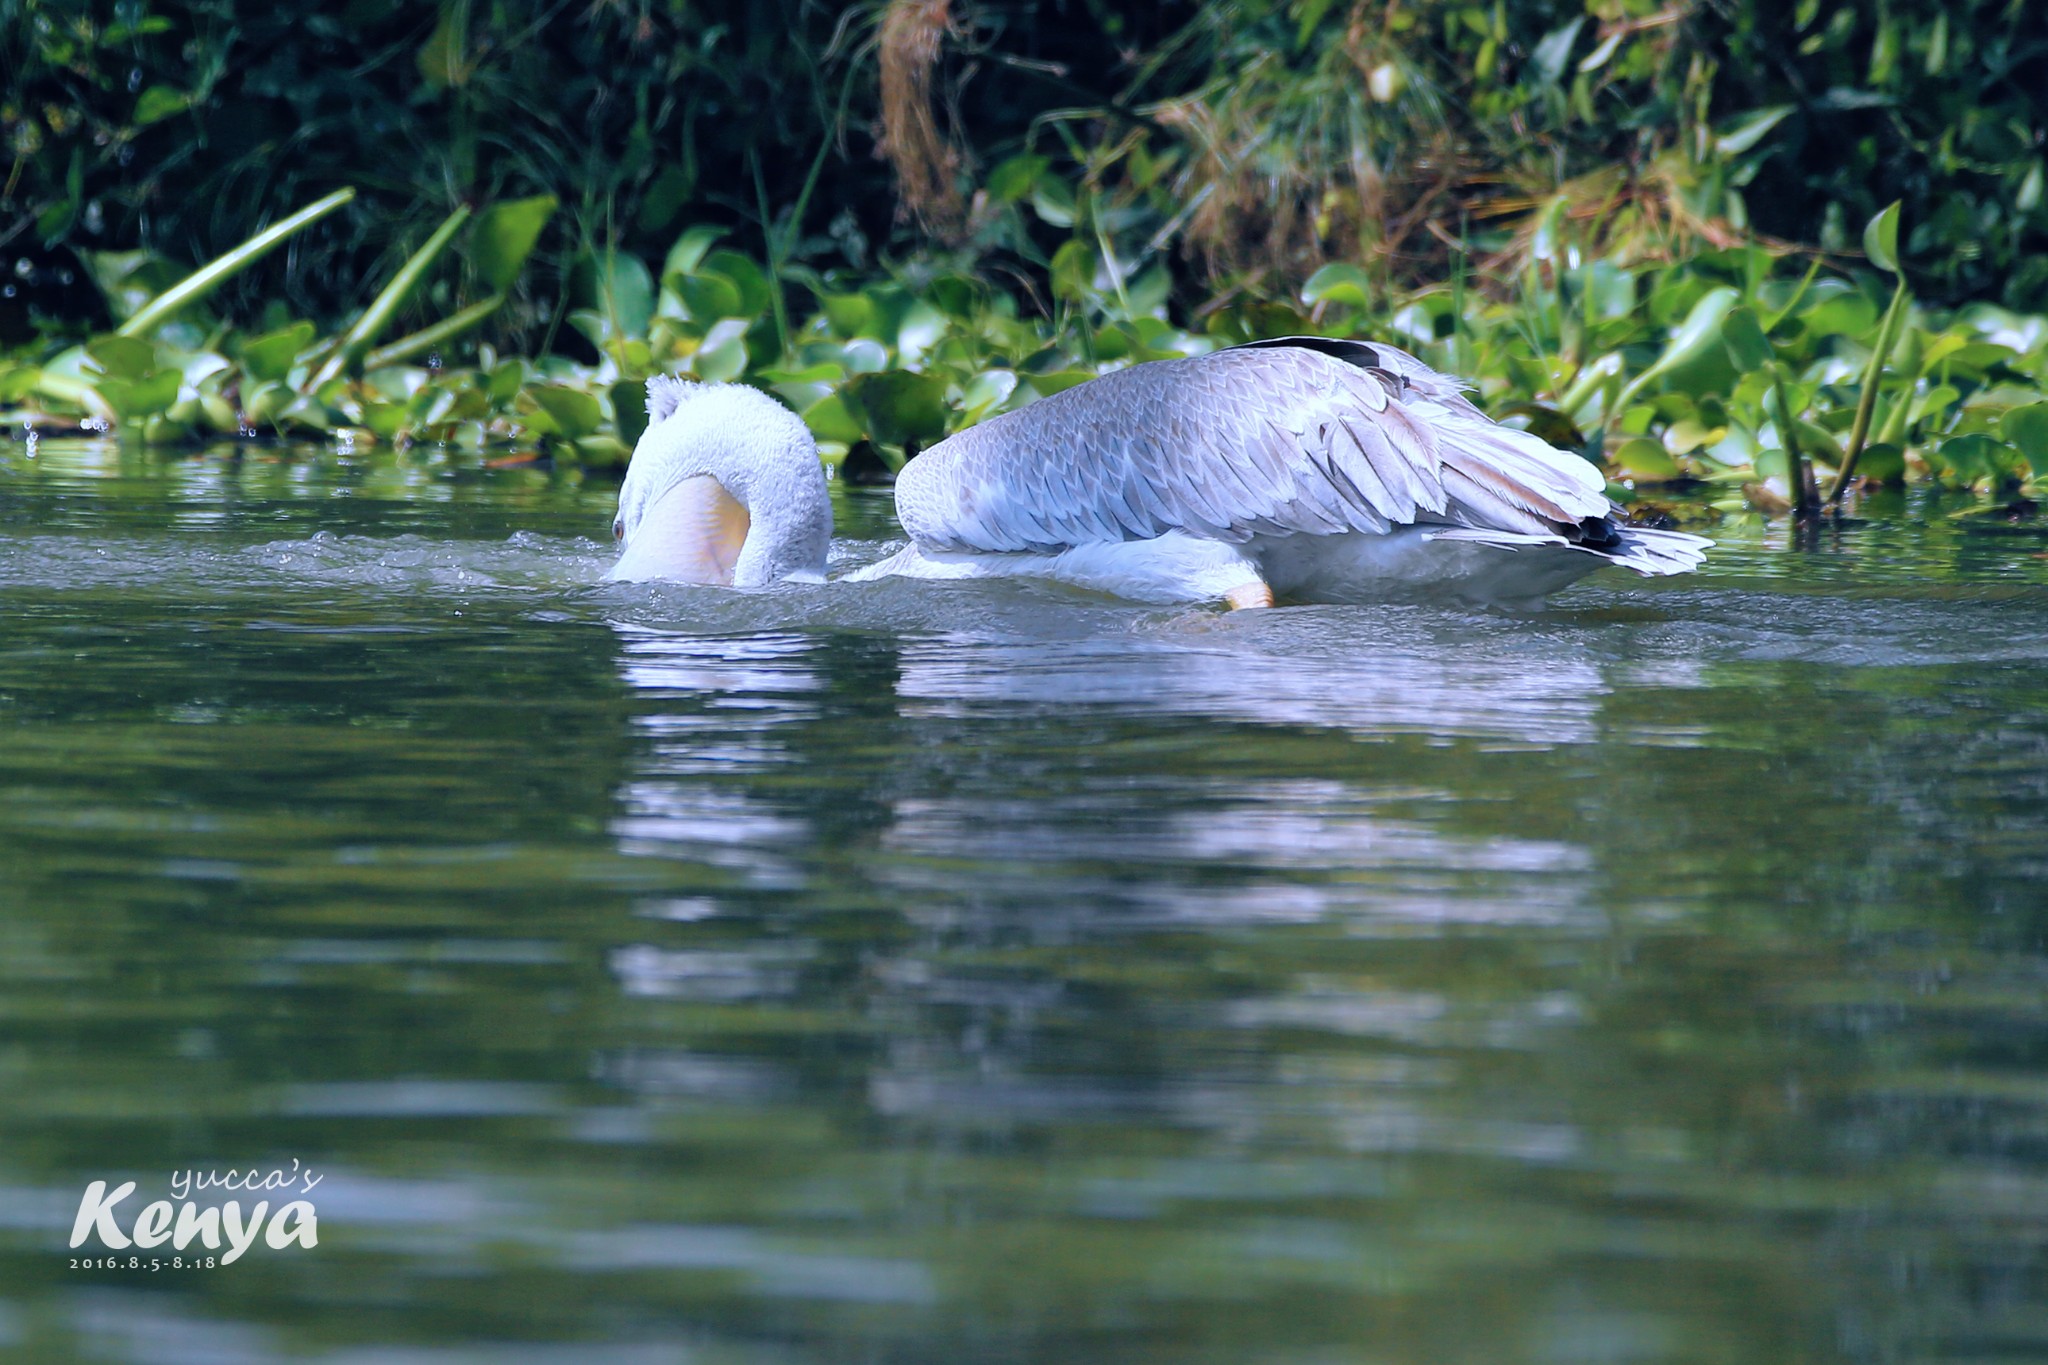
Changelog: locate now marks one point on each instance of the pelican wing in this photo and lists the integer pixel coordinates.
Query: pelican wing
(1290, 437)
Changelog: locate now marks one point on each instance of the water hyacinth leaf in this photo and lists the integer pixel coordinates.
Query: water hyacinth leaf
(1695, 339)
(605, 452)
(1744, 337)
(2026, 428)
(920, 330)
(899, 406)
(207, 278)
(1736, 448)
(847, 314)
(747, 277)
(505, 236)
(1059, 381)
(615, 285)
(121, 357)
(830, 420)
(136, 398)
(263, 402)
(1338, 282)
(723, 356)
(1881, 239)
(1688, 434)
(575, 413)
(1883, 461)
(1645, 459)
(1972, 456)
(710, 297)
(629, 409)
(688, 253)
(504, 382)
(865, 355)
(269, 358)
(1842, 314)
(986, 392)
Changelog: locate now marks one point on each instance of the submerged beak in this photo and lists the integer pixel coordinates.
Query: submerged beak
(693, 534)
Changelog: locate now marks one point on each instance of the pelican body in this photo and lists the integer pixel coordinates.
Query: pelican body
(1303, 469)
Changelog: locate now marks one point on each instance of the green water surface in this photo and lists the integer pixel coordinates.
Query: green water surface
(911, 972)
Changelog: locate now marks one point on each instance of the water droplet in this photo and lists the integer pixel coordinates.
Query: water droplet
(434, 362)
(34, 438)
(8, 292)
(126, 154)
(64, 277)
(95, 218)
(134, 79)
(25, 268)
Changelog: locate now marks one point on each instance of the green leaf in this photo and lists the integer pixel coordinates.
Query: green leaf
(723, 355)
(2027, 429)
(831, 420)
(847, 313)
(440, 60)
(1691, 341)
(1881, 239)
(899, 405)
(122, 357)
(1972, 456)
(159, 102)
(1882, 461)
(709, 297)
(1750, 129)
(629, 409)
(1014, 179)
(505, 382)
(1555, 50)
(985, 392)
(1338, 282)
(505, 236)
(617, 285)
(688, 252)
(1645, 459)
(575, 412)
(1744, 337)
(136, 398)
(748, 278)
(269, 358)
(1073, 270)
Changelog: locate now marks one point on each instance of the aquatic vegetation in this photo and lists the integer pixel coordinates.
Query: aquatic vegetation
(1735, 368)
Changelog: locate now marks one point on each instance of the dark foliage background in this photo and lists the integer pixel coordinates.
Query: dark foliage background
(1240, 142)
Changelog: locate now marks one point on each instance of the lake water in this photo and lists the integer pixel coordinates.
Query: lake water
(911, 972)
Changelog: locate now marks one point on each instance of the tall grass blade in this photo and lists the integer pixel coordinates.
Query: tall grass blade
(358, 339)
(208, 277)
(426, 338)
(1866, 402)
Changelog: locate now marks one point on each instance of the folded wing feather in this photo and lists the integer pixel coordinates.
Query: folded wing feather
(1292, 437)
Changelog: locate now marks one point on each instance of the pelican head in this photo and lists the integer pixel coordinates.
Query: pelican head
(725, 487)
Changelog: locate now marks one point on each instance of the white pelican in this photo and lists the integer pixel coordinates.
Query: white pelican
(1307, 468)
